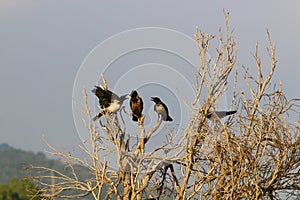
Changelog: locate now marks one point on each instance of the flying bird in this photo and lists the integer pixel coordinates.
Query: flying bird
(220, 114)
(109, 101)
(161, 109)
(136, 105)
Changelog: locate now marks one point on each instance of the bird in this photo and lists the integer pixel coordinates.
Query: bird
(109, 101)
(219, 114)
(161, 109)
(136, 105)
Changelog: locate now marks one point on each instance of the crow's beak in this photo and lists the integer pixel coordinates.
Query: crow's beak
(131, 93)
(152, 99)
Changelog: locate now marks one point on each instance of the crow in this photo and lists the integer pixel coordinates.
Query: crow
(136, 105)
(109, 102)
(161, 109)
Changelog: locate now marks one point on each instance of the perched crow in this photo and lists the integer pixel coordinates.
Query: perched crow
(109, 102)
(219, 114)
(161, 109)
(136, 105)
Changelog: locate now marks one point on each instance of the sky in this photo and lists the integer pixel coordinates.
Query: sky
(44, 43)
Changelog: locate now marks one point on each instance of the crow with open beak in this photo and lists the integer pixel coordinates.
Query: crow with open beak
(161, 109)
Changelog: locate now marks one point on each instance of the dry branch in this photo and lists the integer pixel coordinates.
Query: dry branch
(252, 155)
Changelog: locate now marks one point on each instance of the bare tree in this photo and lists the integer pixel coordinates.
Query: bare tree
(252, 155)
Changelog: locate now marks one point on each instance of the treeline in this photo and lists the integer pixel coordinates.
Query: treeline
(14, 163)
(15, 172)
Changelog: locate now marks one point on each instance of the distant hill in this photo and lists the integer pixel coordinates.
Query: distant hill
(13, 161)
(5, 146)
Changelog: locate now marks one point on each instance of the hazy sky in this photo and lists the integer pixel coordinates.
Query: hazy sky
(43, 43)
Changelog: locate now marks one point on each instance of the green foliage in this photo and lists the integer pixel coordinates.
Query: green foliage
(19, 190)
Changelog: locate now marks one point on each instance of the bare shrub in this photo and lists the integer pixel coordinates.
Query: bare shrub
(252, 155)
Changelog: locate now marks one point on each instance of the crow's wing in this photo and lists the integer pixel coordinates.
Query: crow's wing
(167, 112)
(165, 107)
(105, 96)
